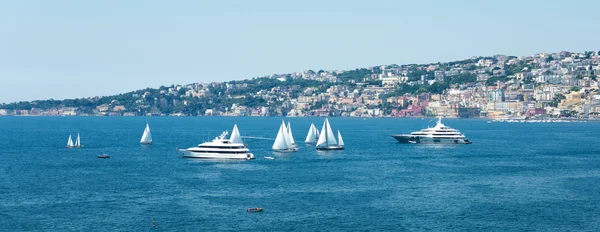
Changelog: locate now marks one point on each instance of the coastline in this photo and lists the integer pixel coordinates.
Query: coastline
(495, 120)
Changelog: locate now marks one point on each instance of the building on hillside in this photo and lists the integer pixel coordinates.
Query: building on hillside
(497, 95)
(464, 112)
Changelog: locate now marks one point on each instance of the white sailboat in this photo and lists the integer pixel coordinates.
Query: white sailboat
(283, 142)
(70, 143)
(327, 139)
(147, 136)
(78, 141)
(312, 135)
(290, 136)
(235, 135)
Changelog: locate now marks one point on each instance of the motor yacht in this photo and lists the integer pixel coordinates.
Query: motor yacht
(218, 148)
(440, 134)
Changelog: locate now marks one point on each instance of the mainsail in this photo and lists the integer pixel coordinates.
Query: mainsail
(311, 137)
(70, 142)
(147, 136)
(330, 136)
(340, 141)
(290, 136)
(235, 135)
(78, 141)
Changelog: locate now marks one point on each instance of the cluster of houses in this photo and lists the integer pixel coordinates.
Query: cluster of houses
(560, 84)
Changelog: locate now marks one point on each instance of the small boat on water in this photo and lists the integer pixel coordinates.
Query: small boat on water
(103, 156)
(252, 210)
(147, 136)
(327, 139)
(284, 141)
(269, 157)
(77, 143)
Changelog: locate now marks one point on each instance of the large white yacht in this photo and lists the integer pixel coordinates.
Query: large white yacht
(219, 148)
(439, 134)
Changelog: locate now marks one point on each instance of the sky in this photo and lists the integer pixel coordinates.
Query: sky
(65, 49)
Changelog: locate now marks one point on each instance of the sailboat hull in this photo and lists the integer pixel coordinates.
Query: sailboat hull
(286, 150)
(330, 148)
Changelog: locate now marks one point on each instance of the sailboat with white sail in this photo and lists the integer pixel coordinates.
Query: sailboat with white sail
(313, 134)
(283, 142)
(235, 135)
(147, 136)
(327, 139)
(78, 141)
(70, 143)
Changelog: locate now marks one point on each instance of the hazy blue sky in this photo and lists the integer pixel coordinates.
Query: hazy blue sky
(69, 49)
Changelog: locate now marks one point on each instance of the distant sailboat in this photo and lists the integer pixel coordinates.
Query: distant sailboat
(70, 143)
(78, 141)
(327, 139)
(312, 135)
(235, 135)
(291, 137)
(283, 142)
(147, 136)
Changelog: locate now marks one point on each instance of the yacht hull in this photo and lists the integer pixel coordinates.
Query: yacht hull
(286, 150)
(212, 155)
(330, 148)
(429, 140)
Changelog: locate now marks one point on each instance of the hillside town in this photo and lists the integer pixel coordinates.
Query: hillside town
(557, 85)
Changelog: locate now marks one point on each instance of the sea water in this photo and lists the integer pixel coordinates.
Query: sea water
(515, 176)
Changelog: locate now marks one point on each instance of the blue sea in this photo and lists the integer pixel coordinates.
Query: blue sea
(514, 177)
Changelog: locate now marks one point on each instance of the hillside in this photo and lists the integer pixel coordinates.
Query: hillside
(373, 89)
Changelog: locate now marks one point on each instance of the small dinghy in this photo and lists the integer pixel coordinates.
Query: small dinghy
(252, 210)
(103, 156)
(269, 157)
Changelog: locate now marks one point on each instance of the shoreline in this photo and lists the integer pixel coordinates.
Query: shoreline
(495, 120)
